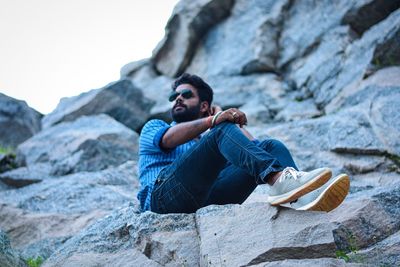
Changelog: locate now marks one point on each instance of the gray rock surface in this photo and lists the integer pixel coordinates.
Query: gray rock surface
(384, 253)
(153, 240)
(120, 100)
(87, 144)
(321, 76)
(8, 257)
(78, 193)
(18, 121)
(253, 29)
(187, 25)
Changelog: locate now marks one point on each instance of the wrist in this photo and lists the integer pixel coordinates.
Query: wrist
(209, 121)
(214, 119)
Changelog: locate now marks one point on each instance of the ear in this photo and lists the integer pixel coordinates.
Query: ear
(204, 107)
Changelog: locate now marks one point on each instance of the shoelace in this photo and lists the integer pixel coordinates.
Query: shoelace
(290, 173)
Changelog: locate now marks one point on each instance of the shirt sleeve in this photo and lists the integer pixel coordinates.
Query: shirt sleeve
(151, 136)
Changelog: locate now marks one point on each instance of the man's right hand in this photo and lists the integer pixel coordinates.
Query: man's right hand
(233, 115)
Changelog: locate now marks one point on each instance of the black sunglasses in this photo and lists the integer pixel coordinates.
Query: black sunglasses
(186, 94)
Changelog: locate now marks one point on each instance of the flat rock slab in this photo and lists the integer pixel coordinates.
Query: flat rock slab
(78, 193)
(152, 239)
(120, 100)
(88, 144)
(260, 233)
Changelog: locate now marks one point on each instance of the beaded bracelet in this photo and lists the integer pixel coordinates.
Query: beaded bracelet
(214, 119)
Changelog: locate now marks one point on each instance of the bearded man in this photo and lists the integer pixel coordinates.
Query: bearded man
(205, 156)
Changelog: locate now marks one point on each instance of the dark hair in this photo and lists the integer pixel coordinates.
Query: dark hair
(203, 89)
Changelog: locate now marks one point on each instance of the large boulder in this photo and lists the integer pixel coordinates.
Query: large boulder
(128, 237)
(39, 218)
(78, 193)
(120, 100)
(246, 42)
(187, 25)
(87, 144)
(352, 66)
(18, 121)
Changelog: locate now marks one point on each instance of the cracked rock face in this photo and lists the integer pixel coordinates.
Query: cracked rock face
(323, 77)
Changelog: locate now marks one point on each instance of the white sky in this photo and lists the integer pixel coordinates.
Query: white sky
(51, 49)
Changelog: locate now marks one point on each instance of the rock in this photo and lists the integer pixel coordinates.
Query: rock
(8, 257)
(120, 100)
(384, 253)
(87, 144)
(40, 234)
(7, 162)
(268, 239)
(154, 240)
(132, 67)
(327, 262)
(156, 88)
(330, 49)
(297, 110)
(246, 42)
(18, 121)
(332, 141)
(306, 23)
(24, 176)
(368, 14)
(187, 25)
(266, 88)
(385, 114)
(364, 92)
(358, 58)
(78, 193)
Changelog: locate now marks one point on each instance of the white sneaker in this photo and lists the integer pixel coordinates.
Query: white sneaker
(326, 198)
(293, 184)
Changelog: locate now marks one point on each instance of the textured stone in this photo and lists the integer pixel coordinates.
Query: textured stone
(326, 262)
(120, 100)
(253, 29)
(8, 257)
(39, 234)
(155, 240)
(365, 91)
(188, 24)
(24, 176)
(361, 18)
(7, 162)
(358, 58)
(156, 88)
(384, 253)
(18, 121)
(306, 23)
(78, 193)
(87, 144)
(258, 234)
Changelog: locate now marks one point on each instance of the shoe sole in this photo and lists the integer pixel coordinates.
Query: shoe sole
(311, 185)
(331, 197)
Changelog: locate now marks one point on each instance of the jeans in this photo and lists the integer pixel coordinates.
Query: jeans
(224, 167)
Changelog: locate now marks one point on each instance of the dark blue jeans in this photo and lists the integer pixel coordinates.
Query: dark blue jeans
(223, 167)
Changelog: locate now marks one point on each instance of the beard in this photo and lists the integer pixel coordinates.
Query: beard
(186, 114)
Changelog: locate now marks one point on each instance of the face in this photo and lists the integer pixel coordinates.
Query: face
(187, 105)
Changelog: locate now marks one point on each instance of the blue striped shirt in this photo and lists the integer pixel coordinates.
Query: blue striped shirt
(152, 159)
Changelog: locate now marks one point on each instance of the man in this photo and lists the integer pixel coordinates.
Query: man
(205, 157)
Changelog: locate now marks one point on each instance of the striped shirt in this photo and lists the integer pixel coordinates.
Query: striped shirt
(152, 159)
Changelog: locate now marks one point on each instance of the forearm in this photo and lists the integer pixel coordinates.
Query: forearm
(184, 132)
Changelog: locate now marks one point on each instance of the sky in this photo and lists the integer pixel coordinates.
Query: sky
(51, 49)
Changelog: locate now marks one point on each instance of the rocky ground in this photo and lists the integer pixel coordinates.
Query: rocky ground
(321, 76)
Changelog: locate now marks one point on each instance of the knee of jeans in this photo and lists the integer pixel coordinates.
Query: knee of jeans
(272, 143)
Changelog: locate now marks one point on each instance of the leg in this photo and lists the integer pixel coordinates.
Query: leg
(185, 185)
(234, 184)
